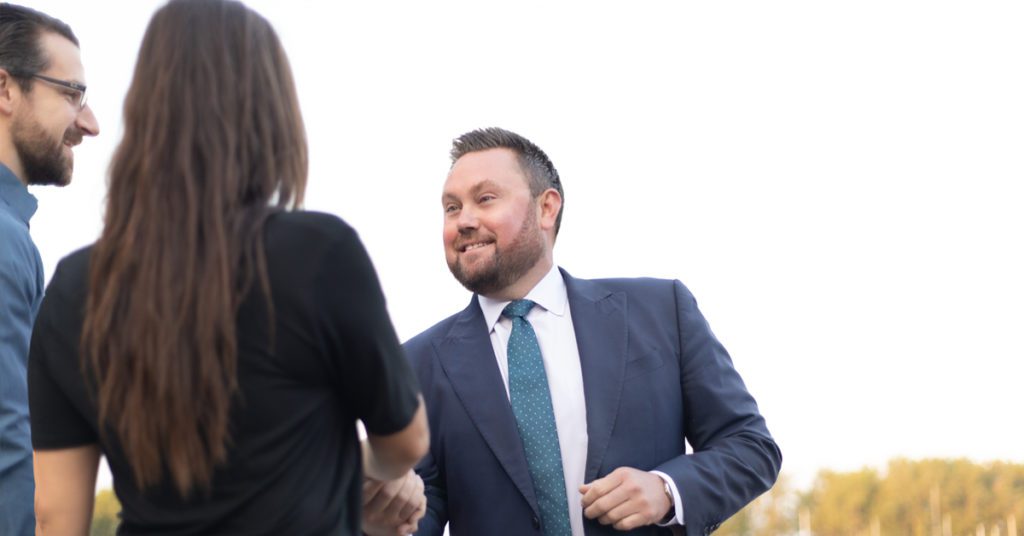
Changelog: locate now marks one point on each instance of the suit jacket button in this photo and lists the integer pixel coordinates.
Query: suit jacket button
(536, 522)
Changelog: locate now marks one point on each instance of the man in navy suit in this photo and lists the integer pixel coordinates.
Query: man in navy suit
(547, 385)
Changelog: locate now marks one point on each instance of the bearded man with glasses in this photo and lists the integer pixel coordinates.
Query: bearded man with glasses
(43, 115)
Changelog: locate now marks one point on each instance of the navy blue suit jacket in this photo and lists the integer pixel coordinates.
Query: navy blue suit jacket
(653, 376)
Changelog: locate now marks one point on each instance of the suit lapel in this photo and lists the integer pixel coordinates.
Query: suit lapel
(599, 320)
(468, 360)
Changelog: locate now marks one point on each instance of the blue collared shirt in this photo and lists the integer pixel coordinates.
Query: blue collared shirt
(21, 292)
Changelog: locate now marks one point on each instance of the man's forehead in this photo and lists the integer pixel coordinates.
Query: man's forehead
(488, 168)
(470, 185)
(63, 57)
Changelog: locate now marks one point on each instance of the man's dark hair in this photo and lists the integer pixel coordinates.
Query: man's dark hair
(20, 52)
(536, 165)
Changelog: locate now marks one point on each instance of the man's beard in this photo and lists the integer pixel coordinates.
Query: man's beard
(504, 267)
(42, 157)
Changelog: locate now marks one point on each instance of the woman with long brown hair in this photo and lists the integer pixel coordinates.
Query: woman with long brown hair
(216, 345)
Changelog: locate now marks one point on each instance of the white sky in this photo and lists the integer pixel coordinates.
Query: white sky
(839, 183)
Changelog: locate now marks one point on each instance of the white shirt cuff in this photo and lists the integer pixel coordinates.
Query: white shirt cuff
(676, 498)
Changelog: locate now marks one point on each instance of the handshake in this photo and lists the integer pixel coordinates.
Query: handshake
(393, 507)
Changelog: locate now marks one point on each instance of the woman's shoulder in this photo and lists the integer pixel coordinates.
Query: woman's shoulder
(306, 240)
(310, 225)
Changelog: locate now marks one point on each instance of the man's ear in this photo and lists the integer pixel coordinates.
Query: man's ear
(550, 204)
(7, 92)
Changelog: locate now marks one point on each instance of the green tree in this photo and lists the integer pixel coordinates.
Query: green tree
(105, 514)
(917, 498)
(771, 514)
(844, 503)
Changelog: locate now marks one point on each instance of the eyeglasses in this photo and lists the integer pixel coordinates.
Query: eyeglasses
(79, 98)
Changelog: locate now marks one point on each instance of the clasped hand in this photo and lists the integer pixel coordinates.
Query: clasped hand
(394, 507)
(626, 498)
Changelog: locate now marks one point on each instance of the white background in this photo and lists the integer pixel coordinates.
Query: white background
(839, 183)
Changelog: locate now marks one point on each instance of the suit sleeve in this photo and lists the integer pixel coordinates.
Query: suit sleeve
(735, 458)
(436, 517)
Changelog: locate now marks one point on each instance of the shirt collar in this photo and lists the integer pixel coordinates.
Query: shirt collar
(14, 193)
(549, 293)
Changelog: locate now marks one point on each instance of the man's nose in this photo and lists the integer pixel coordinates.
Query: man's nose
(87, 123)
(467, 219)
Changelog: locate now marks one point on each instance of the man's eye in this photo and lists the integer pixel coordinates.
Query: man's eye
(450, 208)
(487, 197)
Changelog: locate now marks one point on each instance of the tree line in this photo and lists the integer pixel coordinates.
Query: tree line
(931, 497)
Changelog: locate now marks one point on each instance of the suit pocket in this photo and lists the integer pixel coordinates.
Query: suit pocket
(644, 364)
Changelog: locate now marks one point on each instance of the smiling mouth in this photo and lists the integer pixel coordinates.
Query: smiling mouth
(72, 139)
(474, 245)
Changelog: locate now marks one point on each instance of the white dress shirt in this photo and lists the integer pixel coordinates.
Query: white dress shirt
(552, 323)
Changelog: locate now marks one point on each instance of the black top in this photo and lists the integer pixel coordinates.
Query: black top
(293, 465)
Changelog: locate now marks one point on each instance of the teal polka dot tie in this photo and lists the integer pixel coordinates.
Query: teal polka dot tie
(531, 404)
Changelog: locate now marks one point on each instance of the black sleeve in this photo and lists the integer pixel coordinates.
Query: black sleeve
(52, 364)
(374, 377)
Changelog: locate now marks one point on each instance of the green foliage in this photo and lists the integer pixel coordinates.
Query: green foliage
(773, 513)
(933, 497)
(105, 514)
(916, 497)
(844, 502)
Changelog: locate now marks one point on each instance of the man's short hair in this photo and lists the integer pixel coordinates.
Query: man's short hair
(535, 163)
(21, 53)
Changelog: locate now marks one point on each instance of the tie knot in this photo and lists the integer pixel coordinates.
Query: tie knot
(517, 308)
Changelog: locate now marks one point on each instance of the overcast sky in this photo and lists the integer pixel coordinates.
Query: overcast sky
(839, 183)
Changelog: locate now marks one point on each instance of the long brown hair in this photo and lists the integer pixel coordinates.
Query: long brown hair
(213, 138)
